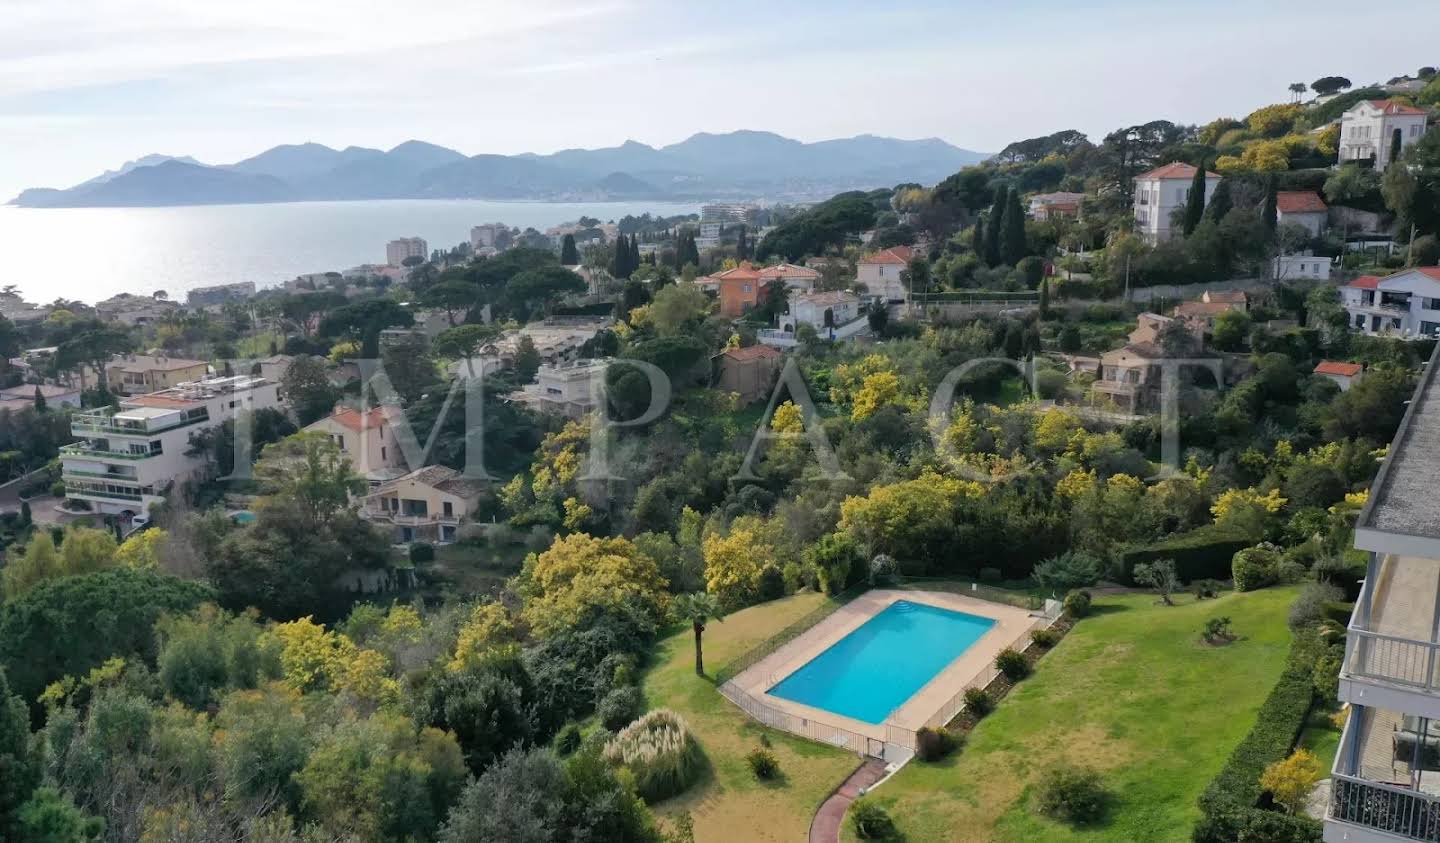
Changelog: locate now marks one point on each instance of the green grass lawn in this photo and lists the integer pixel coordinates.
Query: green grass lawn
(729, 805)
(1322, 737)
(1132, 692)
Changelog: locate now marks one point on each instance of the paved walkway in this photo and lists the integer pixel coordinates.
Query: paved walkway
(825, 827)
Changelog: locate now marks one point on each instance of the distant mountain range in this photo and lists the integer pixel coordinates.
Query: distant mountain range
(734, 165)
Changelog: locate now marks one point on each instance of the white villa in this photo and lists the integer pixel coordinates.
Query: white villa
(1160, 192)
(880, 273)
(843, 308)
(1406, 304)
(127, 459)
(1369, 128)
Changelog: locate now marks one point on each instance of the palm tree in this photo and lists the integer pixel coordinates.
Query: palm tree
(1297, 90)
(698, 607)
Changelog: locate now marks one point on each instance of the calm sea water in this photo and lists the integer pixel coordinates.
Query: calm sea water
(93, 253)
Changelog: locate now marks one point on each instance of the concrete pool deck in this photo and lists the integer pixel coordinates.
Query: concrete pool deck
(1011, 629)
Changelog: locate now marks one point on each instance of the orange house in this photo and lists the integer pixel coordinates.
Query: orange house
(739, 290)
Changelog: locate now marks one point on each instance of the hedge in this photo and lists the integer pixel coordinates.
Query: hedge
(1201, 554)
(1229, 803)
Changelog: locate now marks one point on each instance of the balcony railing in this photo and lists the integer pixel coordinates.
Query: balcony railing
(103, 475)
(82, 492)
(103, 423)
(1391, 658)
(99, 453)
(1410, 814)
(406, 520)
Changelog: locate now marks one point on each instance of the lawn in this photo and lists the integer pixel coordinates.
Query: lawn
(1132, 692)
(729, 805)
(1322, 737)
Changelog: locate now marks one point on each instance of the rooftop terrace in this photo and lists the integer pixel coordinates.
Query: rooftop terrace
(1403, 514)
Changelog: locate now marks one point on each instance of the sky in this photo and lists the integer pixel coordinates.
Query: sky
(88, 84)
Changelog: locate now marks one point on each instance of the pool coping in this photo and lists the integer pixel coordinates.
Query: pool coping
(1011, 625)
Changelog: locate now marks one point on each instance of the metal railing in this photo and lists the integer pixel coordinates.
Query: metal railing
(751, 657)
(1391, 658)
(75, 491)
(84, 451)
(405, 519)
(956, 704)
(1382, 807)
(103, 475)
(815, 730)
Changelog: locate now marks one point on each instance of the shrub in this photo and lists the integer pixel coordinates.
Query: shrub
(1217, 629)
(1202, 553)
(772, 583)
(660, 752)
(1255, 567)
(1309, 607)
(762, 764)
(619, 708)
(934, 744)
(870, 821)
(568, 740)
(1070, 570)
(1291, 781)
(57, 489)
(978, 702)
(422, 552)
(1206, 589)
(882, 569)
(991, 575)
(1326, 675)
(1159, 575)
(1072, 794)
(1077, 604)
(1012, 663)
(1044, 638)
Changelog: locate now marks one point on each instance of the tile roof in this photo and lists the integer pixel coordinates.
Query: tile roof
(743, 272)
(149, 363)
(1299, 202)
(1175, 170)
(892, 255)
(1203, 308)
(440, 477)
(1228, 296)
(788, 270)
(370, 420)
(1333, 367)
(1365, 282)
(751, 352)
(1393, 107)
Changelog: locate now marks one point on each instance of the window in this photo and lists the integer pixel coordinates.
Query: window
(341, 439)
(1432, 304)
(1360, 321)
(449, 509)
(1430, 329)
(383, 455)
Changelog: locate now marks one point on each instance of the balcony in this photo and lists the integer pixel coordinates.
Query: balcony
(92, 452)
(1392, 659)
(402, 519)
(114, 422)
(1384, 786)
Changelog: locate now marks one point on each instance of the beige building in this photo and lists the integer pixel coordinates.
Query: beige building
(566, 389)
(138, 374)
(749, 372)
(396, 251)
(1370, 128)
(427, 504)
(1130, 376)
(368, 439)
(1160, 192)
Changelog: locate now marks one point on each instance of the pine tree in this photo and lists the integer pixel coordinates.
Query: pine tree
(1220, 203)
(1012, 230)
(569, 255)
(1195, 202)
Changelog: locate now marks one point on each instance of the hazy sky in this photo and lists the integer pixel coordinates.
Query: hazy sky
(87, 84)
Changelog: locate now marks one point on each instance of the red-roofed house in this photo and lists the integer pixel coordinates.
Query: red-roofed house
(739, 290)
(749, 372)
(801, 278)
(1162, 190)
(1301, 207)
(880, 273)
(1406, 304)
(367, 438)
(1344, 374)
(1369, 129)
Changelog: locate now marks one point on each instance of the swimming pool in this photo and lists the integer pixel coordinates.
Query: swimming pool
(877, 667)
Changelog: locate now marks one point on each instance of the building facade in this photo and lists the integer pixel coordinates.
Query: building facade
(138, 374)
(128, 458)
(749, 372)
(425, 505)
(219, 294)
(739, 290)
(843, 308)
(396, 251)
(1406, 304)
(1385, 783)
(367, 439)
(1160, 192)
(880, 272)
(1304, 208)
(1370, 128)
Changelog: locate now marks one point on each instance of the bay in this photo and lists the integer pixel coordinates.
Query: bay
(93, 253)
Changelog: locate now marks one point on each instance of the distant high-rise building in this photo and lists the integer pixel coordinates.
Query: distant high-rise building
(396, 251)
(491, 235)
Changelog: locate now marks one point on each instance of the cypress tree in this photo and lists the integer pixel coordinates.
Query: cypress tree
(993, 225)
(569, 255)
(40, 405)
(1012, 230)
(1044, 298)
(1195, 202)
(1269, 215)
(1395, 146)
(1220, 203)
(977, 239)
(741, 246)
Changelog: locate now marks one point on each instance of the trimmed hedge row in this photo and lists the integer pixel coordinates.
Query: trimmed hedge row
(1229, 802)
(1201, 554)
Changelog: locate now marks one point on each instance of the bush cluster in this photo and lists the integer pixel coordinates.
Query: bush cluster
(660, 752)
(619, 707)
(1012, 663)
(1072, 794)
(762, 763)
(1077, 604)
(1044, 638)
(1202, 553)
(870, 821)
(978, 702)
(1255, 567)
(934, 744)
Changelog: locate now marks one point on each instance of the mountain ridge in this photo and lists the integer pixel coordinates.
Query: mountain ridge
(742, 164)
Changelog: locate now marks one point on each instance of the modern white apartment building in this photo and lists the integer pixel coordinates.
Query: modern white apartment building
(1369, 128)
(396, 251)
(1406, 304)
(127, 459)
(565, 389)
(1385, 785)
(1160, 192)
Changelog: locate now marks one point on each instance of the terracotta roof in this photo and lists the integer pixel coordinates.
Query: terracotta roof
(1332, 367)
(1176, 170)
(892, 255)
(1299, 202)
(743, 272)
(751, 352)
(1393, 107)
(355, 420)
(1228, 296)
(440, 477)
(1203, 308)
(1365, 282)
(788, 270)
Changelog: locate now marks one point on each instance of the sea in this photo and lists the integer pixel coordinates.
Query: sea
(91, 254)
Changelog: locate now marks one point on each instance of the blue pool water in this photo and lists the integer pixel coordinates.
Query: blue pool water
(870, 672)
